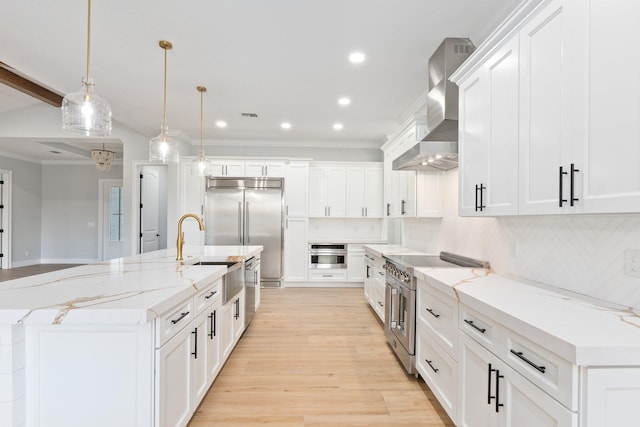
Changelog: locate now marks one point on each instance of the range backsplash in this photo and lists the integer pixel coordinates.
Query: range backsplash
(581, 253)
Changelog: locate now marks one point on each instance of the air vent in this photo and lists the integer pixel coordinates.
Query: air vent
(250, 115)
(462, 48)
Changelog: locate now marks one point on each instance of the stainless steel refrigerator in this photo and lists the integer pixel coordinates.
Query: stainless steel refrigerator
(248, 211)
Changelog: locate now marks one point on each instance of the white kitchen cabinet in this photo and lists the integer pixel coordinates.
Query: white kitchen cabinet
(355, 263)
(613, 397)
(231, 323)
(229, 168)
(327, 190)
(296, 189)
(364, 191)
(206, 349)
(493, 394)
(488, 158)
(262, 168)
(328, 274)
(296, 250)
(374, 283)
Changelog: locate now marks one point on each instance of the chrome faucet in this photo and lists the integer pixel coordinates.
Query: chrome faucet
(180, 241)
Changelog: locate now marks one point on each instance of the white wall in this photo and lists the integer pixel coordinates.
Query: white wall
(581, 253)
(345, 229)
(324, 154)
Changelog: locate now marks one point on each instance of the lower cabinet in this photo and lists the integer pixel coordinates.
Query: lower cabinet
(374, 283)
(355, 263)
(493, 394)
(232, 315)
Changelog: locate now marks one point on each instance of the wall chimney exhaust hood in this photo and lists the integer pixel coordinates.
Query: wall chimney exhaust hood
(438, 150)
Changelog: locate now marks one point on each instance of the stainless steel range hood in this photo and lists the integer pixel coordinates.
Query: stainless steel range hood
(438, 150)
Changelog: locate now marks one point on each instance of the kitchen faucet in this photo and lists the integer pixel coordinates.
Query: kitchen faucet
(180, 241)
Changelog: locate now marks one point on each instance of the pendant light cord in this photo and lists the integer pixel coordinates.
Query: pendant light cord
(88, 40)
(164, 116)
(201, 115)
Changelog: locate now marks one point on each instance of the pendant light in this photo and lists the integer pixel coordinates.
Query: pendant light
(164, 147)
(201, 163)
(103, 158)
(84, 111)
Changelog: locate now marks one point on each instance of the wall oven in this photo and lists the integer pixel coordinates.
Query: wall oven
(327, 255)
(400, 299)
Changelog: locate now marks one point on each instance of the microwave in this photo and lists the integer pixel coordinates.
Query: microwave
(327, 255)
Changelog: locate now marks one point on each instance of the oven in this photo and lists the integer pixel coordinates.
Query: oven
(327, 255)
(400, 298)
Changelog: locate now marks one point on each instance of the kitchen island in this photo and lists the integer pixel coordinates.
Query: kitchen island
(135, 341)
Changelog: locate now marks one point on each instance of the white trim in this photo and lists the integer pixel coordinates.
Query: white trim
(116, 162)
(7, 225)
(291, 144)
(101, 183)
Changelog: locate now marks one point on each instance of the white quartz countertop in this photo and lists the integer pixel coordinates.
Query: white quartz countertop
(584, 331)
(382, 250)
(134, 289)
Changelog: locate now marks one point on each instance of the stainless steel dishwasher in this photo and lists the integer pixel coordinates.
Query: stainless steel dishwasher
(251, 281)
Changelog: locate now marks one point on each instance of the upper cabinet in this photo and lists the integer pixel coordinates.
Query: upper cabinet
(540, 94)
(231, 168)
(261, 168)
(364, 191)
(296, 189)
(327, 188)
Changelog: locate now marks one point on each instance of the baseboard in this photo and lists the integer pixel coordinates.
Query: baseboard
(323, 285)
(25, 263)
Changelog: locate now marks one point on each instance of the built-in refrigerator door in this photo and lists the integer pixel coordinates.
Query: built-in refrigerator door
(224, 220)
(263, 226)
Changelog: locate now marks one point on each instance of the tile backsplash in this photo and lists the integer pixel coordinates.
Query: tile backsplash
(581, 253)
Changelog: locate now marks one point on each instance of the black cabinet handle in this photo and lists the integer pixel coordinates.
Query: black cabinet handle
(560, 199)
(381, 304)
(237, 315)
(572, 198)
(431, 366)
(195, 350)
(498, 376)
(368, 268)
(388, 209)
(182, 316)
(520, 356)
(212, 324)
(474, 326)
(482, 206)
(490, 370)
(402, 203)
(211, 294)
(432, 313)
(476, 202)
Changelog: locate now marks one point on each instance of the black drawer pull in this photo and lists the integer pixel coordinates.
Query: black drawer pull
(473, 325)
(529, 362)
(431, 366)
(432, 313)
(182, 316)
(211, 294)
(381, 304)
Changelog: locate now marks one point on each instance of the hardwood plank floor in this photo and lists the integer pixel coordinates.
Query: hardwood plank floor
(316, 357)
(31, 270)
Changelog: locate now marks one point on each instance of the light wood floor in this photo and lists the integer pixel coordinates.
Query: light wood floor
(30, 270)
(316, 357)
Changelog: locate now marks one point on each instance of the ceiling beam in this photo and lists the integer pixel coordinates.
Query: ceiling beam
(12, 78)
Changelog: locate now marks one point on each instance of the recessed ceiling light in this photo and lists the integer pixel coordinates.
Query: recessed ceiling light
(221, 124)
(338, 126)
(357, 57)
(344, 101)
(285, 125)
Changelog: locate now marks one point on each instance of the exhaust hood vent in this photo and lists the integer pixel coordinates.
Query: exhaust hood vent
(439, 148)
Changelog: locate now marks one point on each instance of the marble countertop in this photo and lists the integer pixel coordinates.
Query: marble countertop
(583, 330)
(129, 290)
(382, 250)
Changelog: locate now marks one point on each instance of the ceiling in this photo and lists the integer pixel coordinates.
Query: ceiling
(285, 60)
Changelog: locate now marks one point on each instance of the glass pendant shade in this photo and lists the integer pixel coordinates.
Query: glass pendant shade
(86, 112)
(202, 165)
(164, 148)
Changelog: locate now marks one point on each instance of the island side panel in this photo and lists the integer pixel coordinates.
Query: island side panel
(12, 376)
(97, 375)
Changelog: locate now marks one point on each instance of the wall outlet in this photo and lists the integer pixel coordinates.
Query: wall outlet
(632, 262)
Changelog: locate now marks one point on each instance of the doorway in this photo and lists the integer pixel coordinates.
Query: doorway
(5, 219)
(152, 215)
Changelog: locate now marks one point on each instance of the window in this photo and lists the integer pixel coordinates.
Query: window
(115, 214)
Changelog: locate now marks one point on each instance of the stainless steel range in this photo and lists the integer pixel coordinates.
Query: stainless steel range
(400, 298)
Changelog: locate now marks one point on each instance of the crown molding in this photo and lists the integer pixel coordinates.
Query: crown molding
(292, 144)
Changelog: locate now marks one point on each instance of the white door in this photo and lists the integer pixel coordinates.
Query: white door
(112, 218)
(149, 211)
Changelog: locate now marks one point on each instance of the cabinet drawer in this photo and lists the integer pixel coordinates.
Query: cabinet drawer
(208, 296)
(439, 371)
(172, 321)
(550, 372)
(438, 315)
(479, 327)
(328, 275)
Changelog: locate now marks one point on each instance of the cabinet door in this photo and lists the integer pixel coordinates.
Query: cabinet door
(473, 136)
(213, 342)
(610, 153)
(175, 380)
(296, 189)
(200, 357)
(238, 317)
(373, 191)
(259, 168)
(356, 192)
(274, 169)
(226, 329)
(337, 191)
(355, 266)
(318, 185)
(296, 258)
(545, 143)
(501, 181)
(612, 397)
(476, 394)
(254, 169)
(234, 168)
(389, 197)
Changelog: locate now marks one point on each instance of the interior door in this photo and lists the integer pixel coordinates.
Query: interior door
(112, 219)
(263, 226)
(150, 212)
